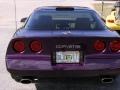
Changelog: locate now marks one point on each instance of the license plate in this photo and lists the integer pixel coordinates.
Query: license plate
(68, 57)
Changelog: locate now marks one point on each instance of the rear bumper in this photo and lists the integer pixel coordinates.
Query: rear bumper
(64, 74)
(41, 66)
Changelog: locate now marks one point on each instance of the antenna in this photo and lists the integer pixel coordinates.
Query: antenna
(102, 7)
(14, 1)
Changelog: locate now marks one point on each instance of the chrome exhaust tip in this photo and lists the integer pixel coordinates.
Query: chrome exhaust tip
(107, 80)
(26, 81)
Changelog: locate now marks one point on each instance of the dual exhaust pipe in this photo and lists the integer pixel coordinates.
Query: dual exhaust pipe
(26, 81)
(104, 80)
(107, 80)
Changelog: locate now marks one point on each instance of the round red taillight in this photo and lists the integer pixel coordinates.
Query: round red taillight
(115, 46)
(99, 45)
(19, 46)
(36, 46)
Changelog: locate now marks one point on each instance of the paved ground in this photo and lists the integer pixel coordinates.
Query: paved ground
(6, 83)
(7, 29)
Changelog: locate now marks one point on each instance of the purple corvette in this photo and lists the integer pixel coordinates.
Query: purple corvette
(63, 42)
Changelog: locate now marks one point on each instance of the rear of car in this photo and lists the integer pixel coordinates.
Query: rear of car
(63, 43)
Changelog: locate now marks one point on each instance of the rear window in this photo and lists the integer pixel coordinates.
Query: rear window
(64, 20)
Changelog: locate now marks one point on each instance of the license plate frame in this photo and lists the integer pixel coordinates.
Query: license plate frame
(68, 57)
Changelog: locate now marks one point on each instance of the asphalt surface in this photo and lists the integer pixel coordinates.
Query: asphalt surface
(7, 29)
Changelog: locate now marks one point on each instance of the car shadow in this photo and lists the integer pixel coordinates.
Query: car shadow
(79, 84)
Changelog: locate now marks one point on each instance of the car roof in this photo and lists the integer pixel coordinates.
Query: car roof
(53, 8)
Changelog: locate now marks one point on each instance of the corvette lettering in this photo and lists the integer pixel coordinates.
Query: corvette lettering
(68, 46)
